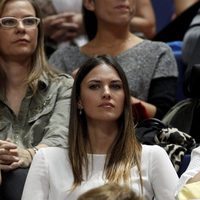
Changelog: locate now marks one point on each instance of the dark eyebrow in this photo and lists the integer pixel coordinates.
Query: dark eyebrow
(98, 81)
(116, 81)
(94, 81)
(28, 15)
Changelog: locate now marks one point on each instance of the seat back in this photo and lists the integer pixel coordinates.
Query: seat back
(184, 164)
(164, 10)
(176, 47)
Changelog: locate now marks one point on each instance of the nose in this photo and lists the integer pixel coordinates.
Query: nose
(106, 92)
(20, 25)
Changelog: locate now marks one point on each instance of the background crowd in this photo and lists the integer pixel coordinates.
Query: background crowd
(77, 78)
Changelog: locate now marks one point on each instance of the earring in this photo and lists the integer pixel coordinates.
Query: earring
(80, 111)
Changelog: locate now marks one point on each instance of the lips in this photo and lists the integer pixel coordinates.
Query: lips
(125, 7)
(106, 105)
(21, 41)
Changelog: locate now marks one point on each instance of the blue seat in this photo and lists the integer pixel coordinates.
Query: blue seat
(176, 47)
(184, 164)
(164, 10)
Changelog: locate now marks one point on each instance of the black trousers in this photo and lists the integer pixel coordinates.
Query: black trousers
(13, 184)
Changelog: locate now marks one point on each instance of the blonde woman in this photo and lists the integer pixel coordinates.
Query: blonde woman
(34, 99)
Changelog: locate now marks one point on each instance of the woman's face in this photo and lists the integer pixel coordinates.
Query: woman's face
(18, 42)
(112, 11)
(102, 94)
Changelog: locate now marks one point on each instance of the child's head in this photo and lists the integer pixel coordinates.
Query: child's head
(110, 192)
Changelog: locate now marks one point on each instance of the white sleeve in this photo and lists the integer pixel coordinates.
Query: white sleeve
(192, 170)
(37, 181)
(163, 175)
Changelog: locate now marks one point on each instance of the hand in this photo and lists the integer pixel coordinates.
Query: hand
(12, 157)
(6, 157)
(196, 178)
(24, 157)
(78, 19)
(135, 100)
(74, 72)
(61, 27)
(143, 109)
(139, 109)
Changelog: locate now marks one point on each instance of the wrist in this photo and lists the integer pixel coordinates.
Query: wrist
(35, 149)
(30, 153)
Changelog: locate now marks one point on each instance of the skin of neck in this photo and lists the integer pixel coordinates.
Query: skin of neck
(111, 40)
(101, 136)
(109, 32)
(112, 33)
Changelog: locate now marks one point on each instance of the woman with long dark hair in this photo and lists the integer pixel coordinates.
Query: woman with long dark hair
(102, 145)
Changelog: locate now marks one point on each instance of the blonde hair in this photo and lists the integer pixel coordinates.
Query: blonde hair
(110, 192)
(39, 63)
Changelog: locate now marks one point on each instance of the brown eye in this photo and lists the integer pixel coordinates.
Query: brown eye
(94, 86)
(30, 21)
(116, 86)
(9, 22)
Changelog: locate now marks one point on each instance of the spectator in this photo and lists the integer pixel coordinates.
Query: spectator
(62, 23)
(34, 99)
(150, 66)
(103, 147)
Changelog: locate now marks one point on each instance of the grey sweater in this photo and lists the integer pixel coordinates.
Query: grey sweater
(143, 63)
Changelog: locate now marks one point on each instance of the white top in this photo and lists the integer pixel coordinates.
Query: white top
(50, 176)
(191, 171)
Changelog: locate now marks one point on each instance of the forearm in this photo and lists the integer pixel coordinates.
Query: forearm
(144, 20)
(194, 179)
(139, 24)
(150, 109)
(143, 109)
(182, 5)
(78, 19)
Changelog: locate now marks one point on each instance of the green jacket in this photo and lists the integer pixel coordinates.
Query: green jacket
(43, 117)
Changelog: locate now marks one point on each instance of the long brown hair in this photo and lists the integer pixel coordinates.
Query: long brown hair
(125, 151)
(39, 63)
